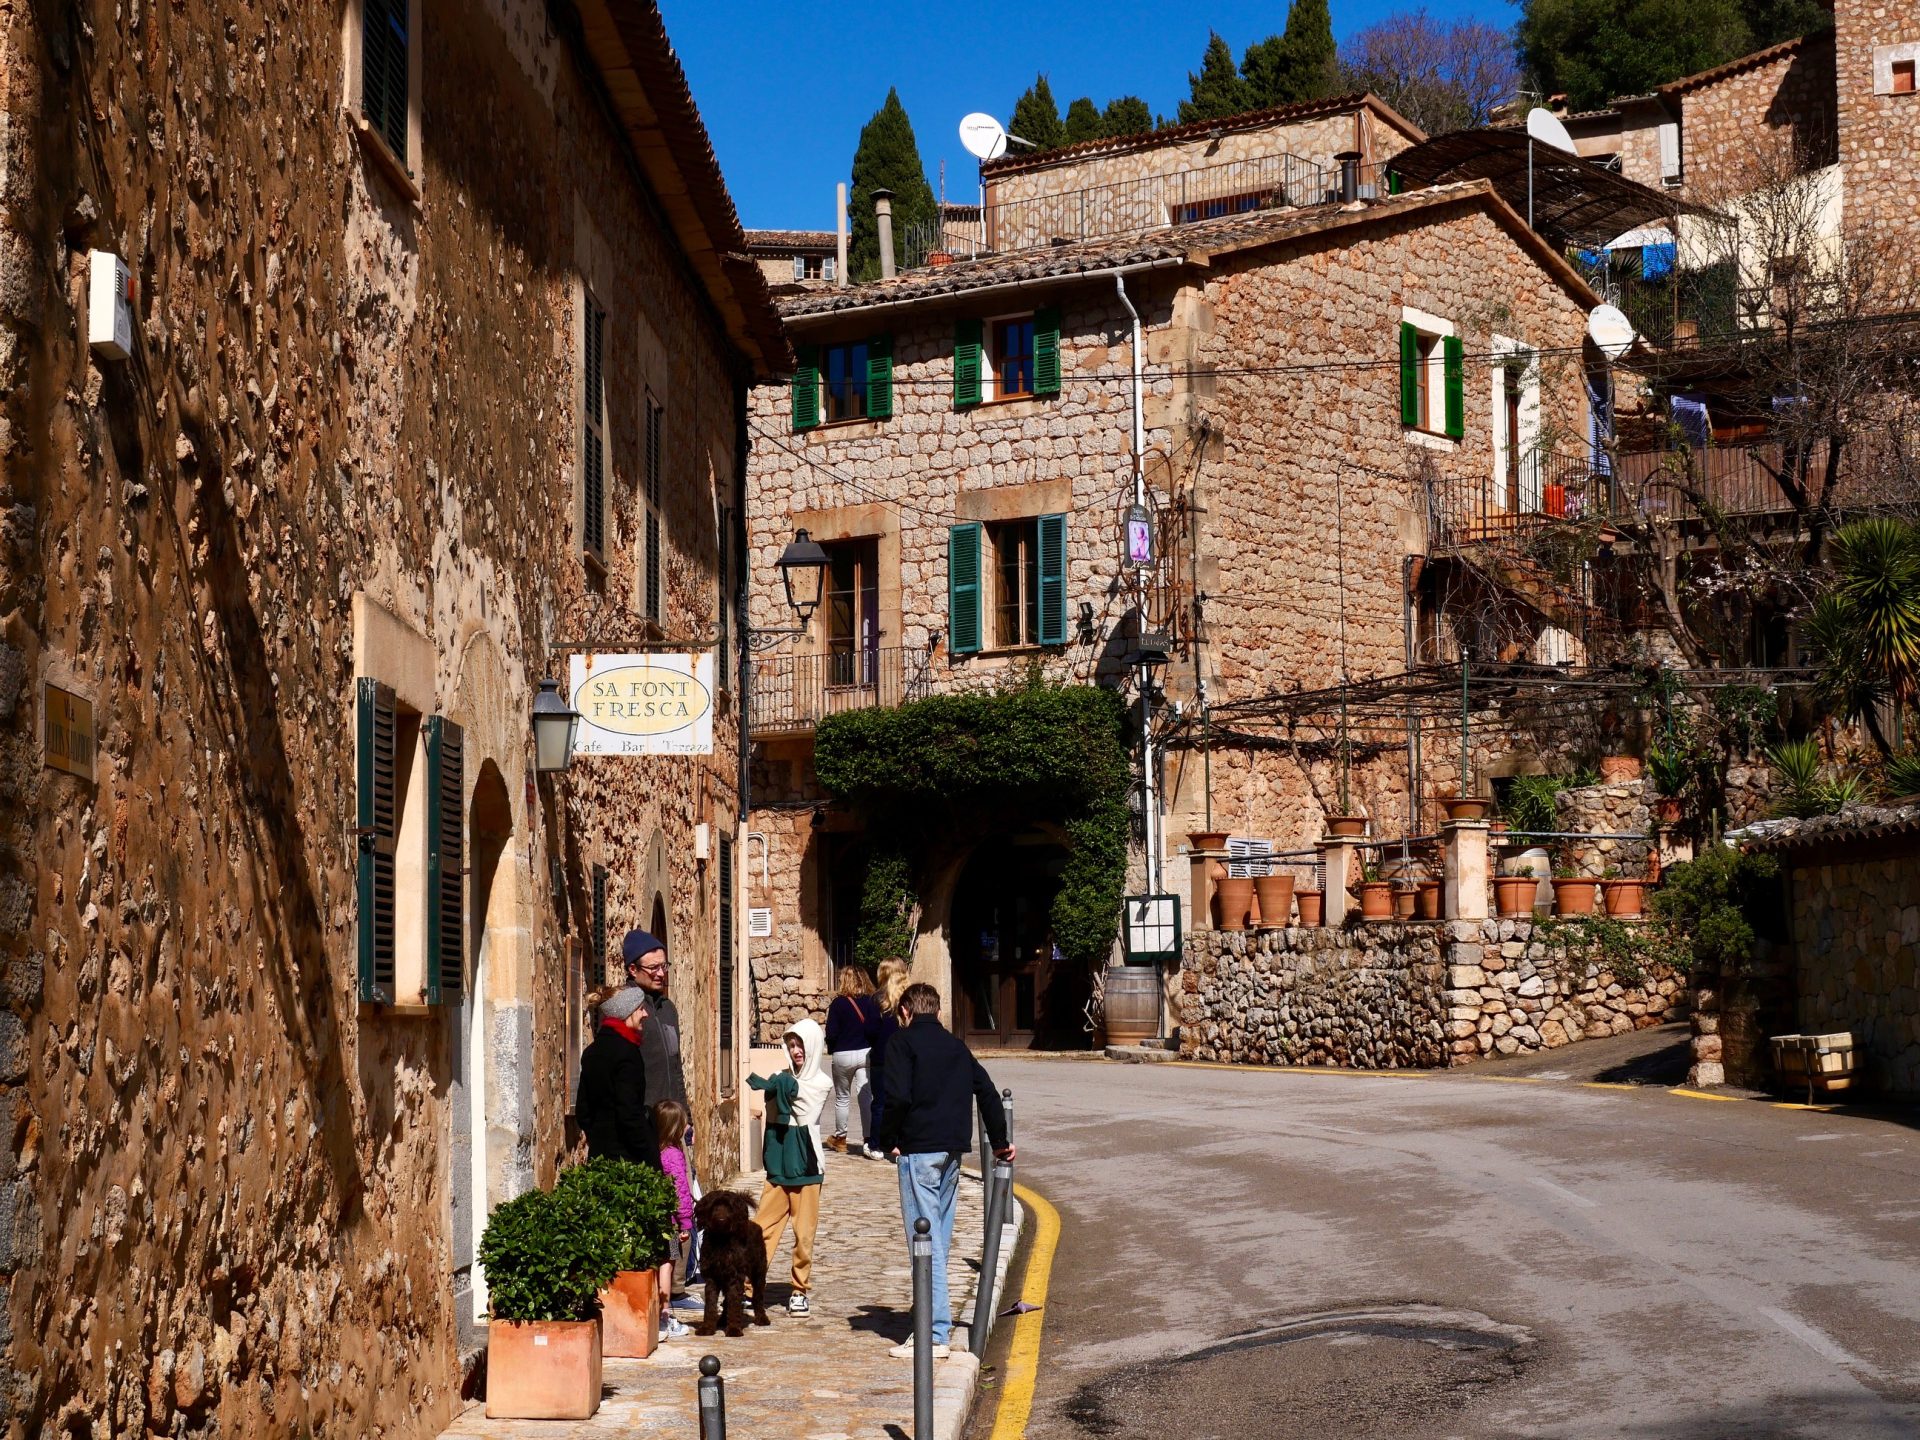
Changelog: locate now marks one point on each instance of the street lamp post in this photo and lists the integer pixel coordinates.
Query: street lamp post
(803, 575)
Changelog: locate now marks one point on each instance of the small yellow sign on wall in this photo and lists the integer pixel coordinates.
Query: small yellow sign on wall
(69, 732)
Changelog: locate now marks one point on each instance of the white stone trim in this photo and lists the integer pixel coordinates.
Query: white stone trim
(1883, 58)
(1432, 326)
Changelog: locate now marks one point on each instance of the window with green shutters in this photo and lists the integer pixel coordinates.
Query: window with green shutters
(967, 363)
(1454, 360)
(383, 72)
(725, 980)
(376, 827)
(1410, 388)
(1053, 579)
(880, 377)
(446, 859)
(806, 387)
(1046, 352)
(963, 589)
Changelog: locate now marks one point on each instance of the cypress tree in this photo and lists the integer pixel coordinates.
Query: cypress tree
(887, 159)
(1036, 117)
(1083, 122)
(1217, 91)
(1126, 115)
(1313, 61)
(1267, 75)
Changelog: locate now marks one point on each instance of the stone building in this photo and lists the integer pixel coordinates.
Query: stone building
(429, 374)
(1316, 370)
(795, 257)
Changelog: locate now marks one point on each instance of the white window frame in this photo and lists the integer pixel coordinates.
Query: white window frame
(1430, 433)
(404, 169)
(990, 367)
(1531, 494)
(1884, 57)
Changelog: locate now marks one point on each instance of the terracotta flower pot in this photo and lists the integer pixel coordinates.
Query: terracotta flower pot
(1427, 900)
(1275, 896)
(1667, 809)
(1405, 899)
(1466, 807)
(1624, 898)
(1497, 827)
(630, 1315)
(1310, 903)
(1575, 896)
(1346, 825)
(1514, 895)
(1376, 899)
(543, 1369)
(1207, 839)
(1615, 769)
(1234, 898)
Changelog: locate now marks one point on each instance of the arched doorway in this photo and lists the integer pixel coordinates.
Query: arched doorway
(657, 924)
(490, 910)
(1010, 985)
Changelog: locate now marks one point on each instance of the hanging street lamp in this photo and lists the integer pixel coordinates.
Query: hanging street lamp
(555, 723)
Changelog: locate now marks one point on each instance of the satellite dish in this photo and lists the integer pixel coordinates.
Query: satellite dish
(1543, 125)
(983, 136)
(1609, 328)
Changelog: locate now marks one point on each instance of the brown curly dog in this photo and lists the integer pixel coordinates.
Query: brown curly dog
(733, 1255)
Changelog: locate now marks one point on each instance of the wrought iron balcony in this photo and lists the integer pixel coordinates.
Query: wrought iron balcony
(793, 693)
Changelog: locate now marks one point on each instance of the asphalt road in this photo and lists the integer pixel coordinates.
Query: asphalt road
(1259, 1253)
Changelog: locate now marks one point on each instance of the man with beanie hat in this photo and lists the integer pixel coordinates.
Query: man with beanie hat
(613, 1106)
(646, 960)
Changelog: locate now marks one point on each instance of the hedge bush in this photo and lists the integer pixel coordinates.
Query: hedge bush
(639, 1199)
(547, 1254)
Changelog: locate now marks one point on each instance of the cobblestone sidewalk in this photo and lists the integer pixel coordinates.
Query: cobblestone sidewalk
(827, 1377)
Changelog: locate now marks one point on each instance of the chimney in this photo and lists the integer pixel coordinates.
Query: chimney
(840, 233)
(1349, 176)
(883, 219)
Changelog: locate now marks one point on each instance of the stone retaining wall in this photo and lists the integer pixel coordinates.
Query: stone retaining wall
(1381, 995)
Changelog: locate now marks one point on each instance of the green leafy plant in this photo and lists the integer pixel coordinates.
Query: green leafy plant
(1723, 902)
(1804, 786)
(1369, 872)
(1900, 775)
(887, 897)
(639, 1199)
(1866, 628)
(1629, 950)
(547, 1256)
(1673, 766)
(1529, 805)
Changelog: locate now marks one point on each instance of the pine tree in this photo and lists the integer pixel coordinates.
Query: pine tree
(1083, 121)
(887, 159)
(1268, 79)
(1218, 90)
(1036, 117)
(1313, 61)
(1126, 115)
(1593, 50)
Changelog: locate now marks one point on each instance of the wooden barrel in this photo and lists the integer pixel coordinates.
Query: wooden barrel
(1132, 1003)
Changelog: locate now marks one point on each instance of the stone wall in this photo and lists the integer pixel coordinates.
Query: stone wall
(1390, 994)
(1876, 126)
(233, 1196)
(1724, 121)
(1856, 930)
(1622, 808)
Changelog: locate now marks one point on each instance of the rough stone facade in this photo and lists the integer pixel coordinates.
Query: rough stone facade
(236, 1199)
(1389, 994)
(1856, 930)
(1787, 91)
(1877, 123)
(1619, 809)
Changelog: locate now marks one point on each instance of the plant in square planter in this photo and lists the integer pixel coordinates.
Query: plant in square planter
(546, 1256)
(640, 1199)
(1574, 894)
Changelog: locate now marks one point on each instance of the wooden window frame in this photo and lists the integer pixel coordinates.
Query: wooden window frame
(856, 382)
(401, 161)
(1437, 347)
(864, 553)
(1018, 540)
(992, 387)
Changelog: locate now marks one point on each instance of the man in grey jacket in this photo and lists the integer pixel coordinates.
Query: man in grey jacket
(646, 961)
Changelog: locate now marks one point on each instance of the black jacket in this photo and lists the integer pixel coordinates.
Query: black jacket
(932, 1083)
(660, 1044)
(612, 1106)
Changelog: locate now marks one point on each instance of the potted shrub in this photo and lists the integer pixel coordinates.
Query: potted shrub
(1573, 893)
(640, 1199)
(547, 1256)
(1466, 807)
(1376, 894)
(1513, 893)
(1311, 903)
(1233, 895)
(1624, 896)
(1275, 896)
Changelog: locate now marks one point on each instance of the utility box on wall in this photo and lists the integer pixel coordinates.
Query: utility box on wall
(109, 306)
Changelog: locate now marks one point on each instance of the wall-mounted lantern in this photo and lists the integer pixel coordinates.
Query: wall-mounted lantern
(555, 724)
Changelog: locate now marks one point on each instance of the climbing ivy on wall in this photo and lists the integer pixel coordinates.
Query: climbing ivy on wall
(957, 768)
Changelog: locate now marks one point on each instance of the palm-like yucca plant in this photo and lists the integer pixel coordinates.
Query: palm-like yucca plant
(1867, 627)
(1900, 776)
(1801, 779)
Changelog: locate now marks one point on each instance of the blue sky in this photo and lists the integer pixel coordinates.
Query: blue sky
(785, 88)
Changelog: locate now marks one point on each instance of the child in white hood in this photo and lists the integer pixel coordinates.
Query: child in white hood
(792, 1150)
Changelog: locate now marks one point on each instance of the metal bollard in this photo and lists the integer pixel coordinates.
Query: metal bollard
(922, 1249)
(986, 1151)
(1006, 1103)
(713, 1400)
(999, 1195)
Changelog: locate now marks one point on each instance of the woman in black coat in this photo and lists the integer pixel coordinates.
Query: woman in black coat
(612, 1104)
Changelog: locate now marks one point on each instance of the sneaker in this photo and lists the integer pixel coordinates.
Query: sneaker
(672, 1329)
(798, 1304)
(904, 1350)
(688, 1302)
(873, 1154)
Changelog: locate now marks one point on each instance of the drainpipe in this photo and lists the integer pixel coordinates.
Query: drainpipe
(1150, 801)
(883, 220)
(1139, 415)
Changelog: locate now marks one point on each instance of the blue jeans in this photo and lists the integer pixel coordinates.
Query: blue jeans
(929, 1190)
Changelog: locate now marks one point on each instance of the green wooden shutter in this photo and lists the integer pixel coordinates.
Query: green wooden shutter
(656, 424)
(597, 962)
(446, 858)
(1409, 375)
(1046, 353)
(376, 821)
(1454, 356)
(725, 925)
(967, 362)
(1053, 579)
(806, 388)
(1395, 185)
(880, 378)
(383, 71)
(963, 589)
(593, 487)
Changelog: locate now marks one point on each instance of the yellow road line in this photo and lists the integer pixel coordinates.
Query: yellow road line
(1512, 1079)
(1796, 1105)
(1023, 1354)
(1608, 1085)
(1703, 1095)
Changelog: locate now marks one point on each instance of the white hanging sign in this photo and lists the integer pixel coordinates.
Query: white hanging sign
(642, 704)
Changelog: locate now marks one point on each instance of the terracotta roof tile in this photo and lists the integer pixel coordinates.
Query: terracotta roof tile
(791, 240)
(1856, 822)
(1744, 63)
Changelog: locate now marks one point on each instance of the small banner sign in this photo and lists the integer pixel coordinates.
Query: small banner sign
(642, 704)
(68, 732)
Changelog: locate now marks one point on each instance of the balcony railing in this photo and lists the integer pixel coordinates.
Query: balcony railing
(793, 693)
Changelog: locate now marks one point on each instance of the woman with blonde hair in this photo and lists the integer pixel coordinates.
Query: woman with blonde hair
(893, 977)
(850, 1018)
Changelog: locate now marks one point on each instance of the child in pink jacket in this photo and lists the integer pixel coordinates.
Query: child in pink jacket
(670, 1124)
